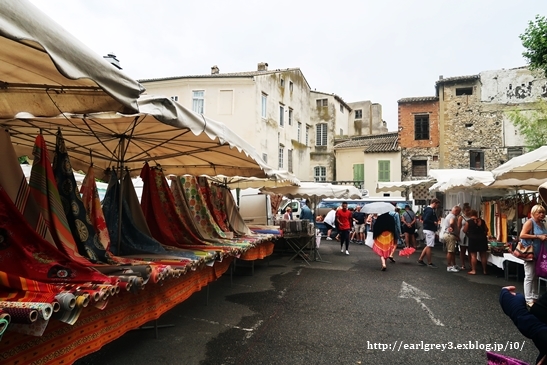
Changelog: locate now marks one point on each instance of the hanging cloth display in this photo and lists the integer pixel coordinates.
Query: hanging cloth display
(45, 192)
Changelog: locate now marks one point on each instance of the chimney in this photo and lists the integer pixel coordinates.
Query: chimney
(214, 70)
(111, 58)
(262, 66)
(441, 77)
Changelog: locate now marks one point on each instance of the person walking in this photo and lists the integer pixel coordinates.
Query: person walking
(344, 217)
(533, 233)
(409, 227)
(359, 219)
(430, 221)
(451, 235)
(464, 241)
(384, 233)
(476, 230)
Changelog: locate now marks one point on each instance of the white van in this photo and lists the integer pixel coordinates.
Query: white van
(295, 207)
(256, 209)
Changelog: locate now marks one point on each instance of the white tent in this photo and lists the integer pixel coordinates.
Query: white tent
(45, 71)
(315, 191)
(524, 172)
(164, 133)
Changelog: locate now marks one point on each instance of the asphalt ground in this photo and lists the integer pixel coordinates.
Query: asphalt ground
(344, 311)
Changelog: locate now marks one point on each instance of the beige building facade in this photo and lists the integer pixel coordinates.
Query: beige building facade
(292, 127)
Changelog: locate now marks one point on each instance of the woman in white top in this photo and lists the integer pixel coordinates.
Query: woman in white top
(462, 219)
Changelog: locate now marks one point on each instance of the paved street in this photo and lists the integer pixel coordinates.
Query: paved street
(342, 312)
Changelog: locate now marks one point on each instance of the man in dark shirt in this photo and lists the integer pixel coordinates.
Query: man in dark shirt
(359, 219)
(430, 228)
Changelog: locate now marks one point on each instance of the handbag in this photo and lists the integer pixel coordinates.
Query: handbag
(525, 253)
(541, 262)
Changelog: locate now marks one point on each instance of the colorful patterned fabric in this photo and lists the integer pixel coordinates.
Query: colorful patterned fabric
(384, 245)
(214, 201)
(15, 184)
(82, 231)
(132, 240)
(158, 206)
(95, 328)
(25, 254)
(92, 204)
(44, 190)
(198, 207)
(234, 217)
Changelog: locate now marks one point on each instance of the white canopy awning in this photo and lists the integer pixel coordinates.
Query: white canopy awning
(401, 185)
(315, 191)
(45, 71)
(165, 133)
(275, 178)
(527, 171)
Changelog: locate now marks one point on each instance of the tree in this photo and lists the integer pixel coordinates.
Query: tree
(532, 124)
(534, 39)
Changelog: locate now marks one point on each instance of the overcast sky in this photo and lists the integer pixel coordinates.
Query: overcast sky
(360, 50)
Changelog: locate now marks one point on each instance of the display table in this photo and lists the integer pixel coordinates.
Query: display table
(63, 344)
(503, 262)
(298, 243)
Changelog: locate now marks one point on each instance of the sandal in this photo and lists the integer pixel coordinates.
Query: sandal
(383, 268)
(391, 259)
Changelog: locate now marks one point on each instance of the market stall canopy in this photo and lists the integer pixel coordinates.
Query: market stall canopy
(45, 71)
(527, 171)
(462, 179)
(315, 191)
(164, 133)
(400, 185)
(275, 178)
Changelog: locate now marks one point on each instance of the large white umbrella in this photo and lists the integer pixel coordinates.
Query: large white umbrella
(462, 179)
(46, 71)
(164, 133)
(526, 172)
(377, 208)
(275, 178)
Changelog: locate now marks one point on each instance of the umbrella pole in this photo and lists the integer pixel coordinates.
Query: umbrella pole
(120, 201)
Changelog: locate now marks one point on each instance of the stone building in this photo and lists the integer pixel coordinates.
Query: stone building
(475, 129)
(418, 136)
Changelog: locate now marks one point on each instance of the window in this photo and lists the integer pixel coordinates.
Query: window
(421, 127)
(264, 103)
(320, 173)
(265, 157)
(514, 152)
(341, 108)
(464, 91)
(359, 114)
(225, 102)
(321, 134)
(282, 82)
(359, 172)
(290, 116)
(298, 131)
(290, 86)
(280, 164)
(383, 171)
(322, 102)
(289, 160)
(476, 160)
(198, 100)
(419, 167)
(307, 134)
(341, 132)
(175, 98)
(281, 115)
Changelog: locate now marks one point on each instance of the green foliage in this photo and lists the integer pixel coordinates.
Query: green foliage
(534, 39)
(532, 125)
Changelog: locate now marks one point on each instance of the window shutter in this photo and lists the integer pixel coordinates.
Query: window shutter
(359, 172)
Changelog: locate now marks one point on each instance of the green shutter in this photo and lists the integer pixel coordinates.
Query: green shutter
(383, 171)
(359, 172)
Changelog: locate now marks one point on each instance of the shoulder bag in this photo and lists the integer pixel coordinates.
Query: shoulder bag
(525, 253)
